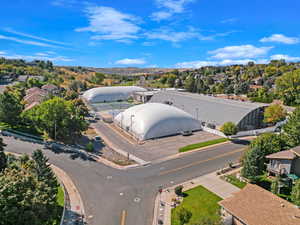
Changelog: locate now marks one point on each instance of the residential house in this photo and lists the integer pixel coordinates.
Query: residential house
(285, 162)
(51, 89)
(254, 205)
(34, 96)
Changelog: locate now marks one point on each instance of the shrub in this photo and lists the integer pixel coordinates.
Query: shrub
(90, 147)
(178, 190)
(229, 128)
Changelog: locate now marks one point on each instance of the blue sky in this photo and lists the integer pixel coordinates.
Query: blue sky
(150, 33)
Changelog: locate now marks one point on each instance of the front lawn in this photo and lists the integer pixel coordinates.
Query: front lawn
(234, 181)
(202, 203)
(202, 144)
(60, 199)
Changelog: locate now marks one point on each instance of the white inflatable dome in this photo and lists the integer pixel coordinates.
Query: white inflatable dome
(153, 120)
(110, 94)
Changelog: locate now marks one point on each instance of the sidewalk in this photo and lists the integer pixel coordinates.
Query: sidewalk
(212, 182)
(74, 209)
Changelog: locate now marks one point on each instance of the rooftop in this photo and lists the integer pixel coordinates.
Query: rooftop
(254, 205)
(296, 150)
(288, 154)
(207, 108)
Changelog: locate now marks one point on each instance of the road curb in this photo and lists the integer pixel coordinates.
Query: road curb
(76, 203)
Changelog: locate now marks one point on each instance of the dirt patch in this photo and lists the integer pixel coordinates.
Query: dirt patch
(115, 157)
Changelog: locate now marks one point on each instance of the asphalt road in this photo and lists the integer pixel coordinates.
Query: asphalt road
(107, 192)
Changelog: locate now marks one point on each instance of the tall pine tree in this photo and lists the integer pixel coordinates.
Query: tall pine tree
(3, 158)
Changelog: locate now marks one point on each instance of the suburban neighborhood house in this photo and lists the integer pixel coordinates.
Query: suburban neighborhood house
(34, 96)
(285, 162)
(254, 205)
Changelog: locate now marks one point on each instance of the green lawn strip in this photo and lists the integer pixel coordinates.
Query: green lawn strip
(202, 144)
(60, 198)
(235, 181)
(202, 203)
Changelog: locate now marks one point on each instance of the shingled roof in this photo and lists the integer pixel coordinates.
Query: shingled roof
(296, 150)
(288, 154)
(254, 205)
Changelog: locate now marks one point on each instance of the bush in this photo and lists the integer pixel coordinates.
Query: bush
(229, 128)
(90, 147)
(178, 190)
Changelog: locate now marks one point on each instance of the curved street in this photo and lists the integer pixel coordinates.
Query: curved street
(108, 193)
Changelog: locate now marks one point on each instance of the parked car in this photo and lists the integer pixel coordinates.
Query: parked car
(98, 138)
(186, 133)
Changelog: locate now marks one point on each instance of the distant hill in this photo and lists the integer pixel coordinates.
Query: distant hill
(133, 70)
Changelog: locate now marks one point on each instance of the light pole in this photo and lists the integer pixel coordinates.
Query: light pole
(197, 111)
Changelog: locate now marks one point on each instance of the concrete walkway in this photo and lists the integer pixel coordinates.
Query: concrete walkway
(74, 210)
(212, 182)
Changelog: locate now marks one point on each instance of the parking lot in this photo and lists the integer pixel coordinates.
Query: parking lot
(151, 149)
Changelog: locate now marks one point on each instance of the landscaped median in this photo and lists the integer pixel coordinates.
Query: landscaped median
(202, 144)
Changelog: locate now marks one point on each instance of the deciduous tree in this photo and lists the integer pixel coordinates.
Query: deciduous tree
(288, 87)
(292, 129)
(254, 158)
(274, 113)
(10, 108)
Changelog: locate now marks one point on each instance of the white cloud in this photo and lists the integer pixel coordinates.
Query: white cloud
(161, 15)
(41, 54)
(2, 52)
(225, 62)
(64, 3)
(285, 57)
(280, 38)
(9, 30)
(229, 21)
(27, 42)
(241, 51)
(169, 8)
(38, 57)
(109, 24)
(173, 36)
(127, 61)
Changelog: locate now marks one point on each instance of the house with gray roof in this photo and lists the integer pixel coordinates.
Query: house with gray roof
(285, 162)
(215, 111)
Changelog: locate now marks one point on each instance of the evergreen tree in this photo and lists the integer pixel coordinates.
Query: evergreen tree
(3, 158)
(295, 196)
(42, 169)
(275, 186)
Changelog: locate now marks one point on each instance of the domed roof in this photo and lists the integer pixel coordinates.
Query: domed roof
(110, 94)
(152, 120)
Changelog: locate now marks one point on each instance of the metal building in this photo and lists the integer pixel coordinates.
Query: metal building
(214, 112)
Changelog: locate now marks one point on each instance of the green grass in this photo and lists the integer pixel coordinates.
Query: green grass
(202, 203)
(60, 199)
(202, 144)
(234, 181)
